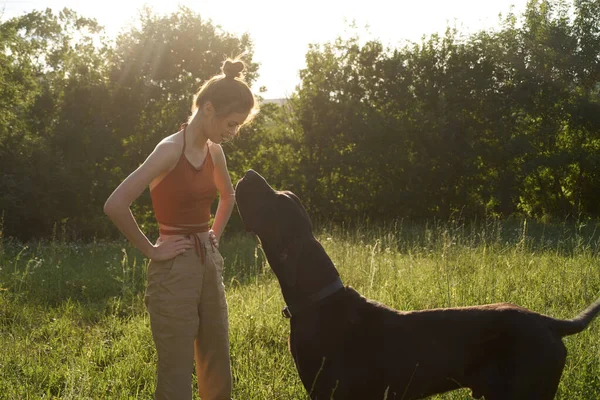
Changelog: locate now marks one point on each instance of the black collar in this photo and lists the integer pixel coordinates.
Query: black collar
(333, 287)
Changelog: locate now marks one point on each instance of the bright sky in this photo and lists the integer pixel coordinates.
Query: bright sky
(282, 29)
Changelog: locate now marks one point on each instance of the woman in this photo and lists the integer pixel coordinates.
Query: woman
(185, 296)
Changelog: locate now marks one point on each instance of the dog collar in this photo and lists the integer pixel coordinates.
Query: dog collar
(333, 287)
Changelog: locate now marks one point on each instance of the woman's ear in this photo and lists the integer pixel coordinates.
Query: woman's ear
(208, 110)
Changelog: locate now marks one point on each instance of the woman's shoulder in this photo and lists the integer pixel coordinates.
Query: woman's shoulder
(171, 146)
(216, 150)
(173, 139)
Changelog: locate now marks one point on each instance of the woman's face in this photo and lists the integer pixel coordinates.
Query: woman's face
(223, 128)
(226, 127)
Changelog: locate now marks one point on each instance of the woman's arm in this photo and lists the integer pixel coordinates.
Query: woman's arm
(226, 192)
(117, 207)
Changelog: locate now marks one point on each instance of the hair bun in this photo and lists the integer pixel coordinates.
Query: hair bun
(233, 69)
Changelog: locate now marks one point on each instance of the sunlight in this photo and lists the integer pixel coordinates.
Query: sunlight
(282, 31)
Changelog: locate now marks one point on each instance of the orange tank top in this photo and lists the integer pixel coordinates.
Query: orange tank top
(184, 196)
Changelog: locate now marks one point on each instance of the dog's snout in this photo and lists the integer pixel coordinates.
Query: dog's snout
(253, 182)
(251, 174)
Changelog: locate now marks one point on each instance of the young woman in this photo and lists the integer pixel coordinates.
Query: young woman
(185, 295)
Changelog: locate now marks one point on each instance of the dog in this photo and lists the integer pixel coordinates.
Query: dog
(347, 347)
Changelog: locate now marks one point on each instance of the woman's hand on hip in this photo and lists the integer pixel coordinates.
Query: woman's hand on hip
(170, 247)
(213, 238)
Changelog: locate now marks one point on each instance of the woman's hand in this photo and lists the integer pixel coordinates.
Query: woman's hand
(213, 238)
(170, 247)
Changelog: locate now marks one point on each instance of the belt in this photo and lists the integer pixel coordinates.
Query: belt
(198, 245)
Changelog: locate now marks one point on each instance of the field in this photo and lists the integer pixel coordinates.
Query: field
(73, 323)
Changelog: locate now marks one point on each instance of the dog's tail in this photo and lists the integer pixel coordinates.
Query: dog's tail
(577, 324)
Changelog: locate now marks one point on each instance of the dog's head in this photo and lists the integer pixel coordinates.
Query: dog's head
(278, 219)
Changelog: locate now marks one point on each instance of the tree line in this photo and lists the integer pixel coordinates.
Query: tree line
(501, 122)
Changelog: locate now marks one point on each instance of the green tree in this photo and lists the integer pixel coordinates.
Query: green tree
(45, 51)
(494, 123)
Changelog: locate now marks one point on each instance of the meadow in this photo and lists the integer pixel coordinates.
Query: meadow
(73, 323)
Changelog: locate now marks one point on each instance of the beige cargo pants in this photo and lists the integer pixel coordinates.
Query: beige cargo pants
(185, 298)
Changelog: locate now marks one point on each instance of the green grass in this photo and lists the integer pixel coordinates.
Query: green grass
(73, 323)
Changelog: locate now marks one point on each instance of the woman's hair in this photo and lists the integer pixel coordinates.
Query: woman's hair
(228, 92)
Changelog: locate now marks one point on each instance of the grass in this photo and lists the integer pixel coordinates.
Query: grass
(73, 323)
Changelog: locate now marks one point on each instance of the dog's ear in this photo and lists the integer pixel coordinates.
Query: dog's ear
(290, 260)
(292, 233)
(252, 220)
(296, 200)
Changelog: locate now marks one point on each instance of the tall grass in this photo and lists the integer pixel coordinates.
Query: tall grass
(73, 323)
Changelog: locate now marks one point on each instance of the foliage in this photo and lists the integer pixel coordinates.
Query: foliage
(498, 123)
(493, 124)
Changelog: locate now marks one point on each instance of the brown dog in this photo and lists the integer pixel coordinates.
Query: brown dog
(347, 347)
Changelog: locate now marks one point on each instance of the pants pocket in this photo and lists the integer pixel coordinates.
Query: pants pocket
(158, 272)
(218, 260)
(165, 278)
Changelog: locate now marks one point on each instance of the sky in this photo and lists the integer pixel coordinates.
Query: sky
(282, 29)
